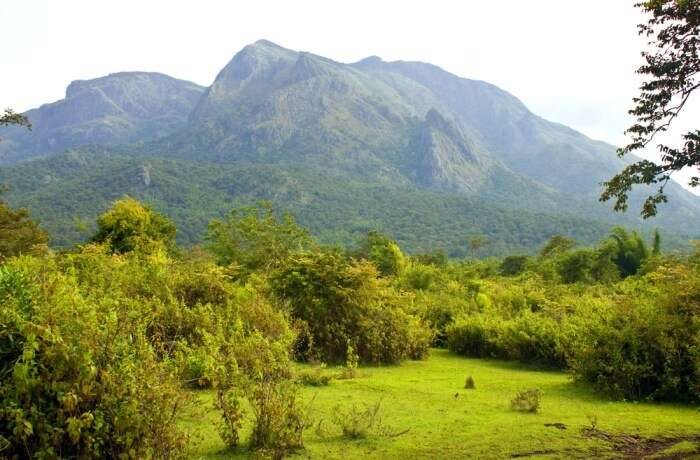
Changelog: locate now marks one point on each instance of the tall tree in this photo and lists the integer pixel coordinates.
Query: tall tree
(129, 225)
(255, 238)
(672, 71)
(18, 233)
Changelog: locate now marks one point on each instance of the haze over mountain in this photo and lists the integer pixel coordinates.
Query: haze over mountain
(290, 126)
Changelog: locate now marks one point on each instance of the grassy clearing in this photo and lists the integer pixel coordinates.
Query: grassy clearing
(447, 421)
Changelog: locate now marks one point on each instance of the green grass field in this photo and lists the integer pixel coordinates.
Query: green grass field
(444, 420)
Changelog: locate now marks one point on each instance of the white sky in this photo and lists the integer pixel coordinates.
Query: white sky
(569, 61)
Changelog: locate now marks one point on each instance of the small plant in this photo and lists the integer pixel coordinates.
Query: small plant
(349, 372)
(526, 401)
(469, 383)
(358, 423)
(593, 421)
(229, 403)
(314, 378)
(279, 419)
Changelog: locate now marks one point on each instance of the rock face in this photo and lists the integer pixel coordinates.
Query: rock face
(444, 158)
(119, 108)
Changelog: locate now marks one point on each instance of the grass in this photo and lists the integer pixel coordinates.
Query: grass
(445, 421)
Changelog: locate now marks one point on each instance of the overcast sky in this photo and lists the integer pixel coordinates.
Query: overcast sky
(570, 61)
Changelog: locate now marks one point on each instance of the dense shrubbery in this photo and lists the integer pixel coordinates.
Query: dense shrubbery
(79, 376)
(343, 302)
(99, 344)
(637, 338)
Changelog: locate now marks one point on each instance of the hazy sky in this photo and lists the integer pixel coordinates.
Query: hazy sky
(570, 61)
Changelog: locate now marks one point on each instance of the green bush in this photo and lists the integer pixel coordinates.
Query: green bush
(343, 302)
(474, 335)
(514, 265)
(526, 401)
(531, 337)
(646, 345)
(79, 376)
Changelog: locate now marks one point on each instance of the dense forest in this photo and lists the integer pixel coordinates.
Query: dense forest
(103, 343)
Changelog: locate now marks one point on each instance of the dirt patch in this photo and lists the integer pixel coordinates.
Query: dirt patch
(635, 446)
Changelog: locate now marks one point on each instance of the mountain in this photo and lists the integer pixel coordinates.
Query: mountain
(119, 108)
(319, 137)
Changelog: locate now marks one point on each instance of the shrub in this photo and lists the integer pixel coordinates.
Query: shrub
(646, 344)
(526, 401)
(314, 378)
(79, 376)
(349, 372)
(341, 301)
(383, 252)
(531, 337)
(473, 335)
(129, 225)
(358, 423)
(469, 384)
(279, 419)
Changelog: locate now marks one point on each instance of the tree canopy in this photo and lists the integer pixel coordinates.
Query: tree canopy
(672, 73)
(18, 233)
(129, 225)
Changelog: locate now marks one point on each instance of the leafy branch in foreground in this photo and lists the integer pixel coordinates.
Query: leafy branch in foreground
(671, 69)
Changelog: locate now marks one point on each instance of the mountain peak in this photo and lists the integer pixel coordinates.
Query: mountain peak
(369, 61)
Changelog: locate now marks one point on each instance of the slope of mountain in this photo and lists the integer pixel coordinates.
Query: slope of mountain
(405, 128)
(119, 108)
(76, 186)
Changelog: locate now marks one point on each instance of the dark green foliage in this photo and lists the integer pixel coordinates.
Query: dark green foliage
(514, 265)
(19, 234)
(10, 117)
(437, 258)
(469, 383)
(345, 302)
(129, 225)
(631, 251)
(336, 209)
(576, 266)
(473, 335)
(556, 245)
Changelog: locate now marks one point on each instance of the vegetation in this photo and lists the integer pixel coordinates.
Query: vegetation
(19, 234)
(231, 318)
(671, 69)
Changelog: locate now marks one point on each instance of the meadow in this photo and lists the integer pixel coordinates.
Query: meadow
(428, 413)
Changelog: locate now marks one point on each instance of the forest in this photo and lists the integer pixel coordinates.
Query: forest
(263, 341)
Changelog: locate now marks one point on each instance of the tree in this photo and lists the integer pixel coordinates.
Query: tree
(557, 245)
(477, 242)
(255, 238)
(514, 265)
(129, 225)
(631, 251)
(18, 233)
(10, 117)
(672, 69)
(383, 252)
